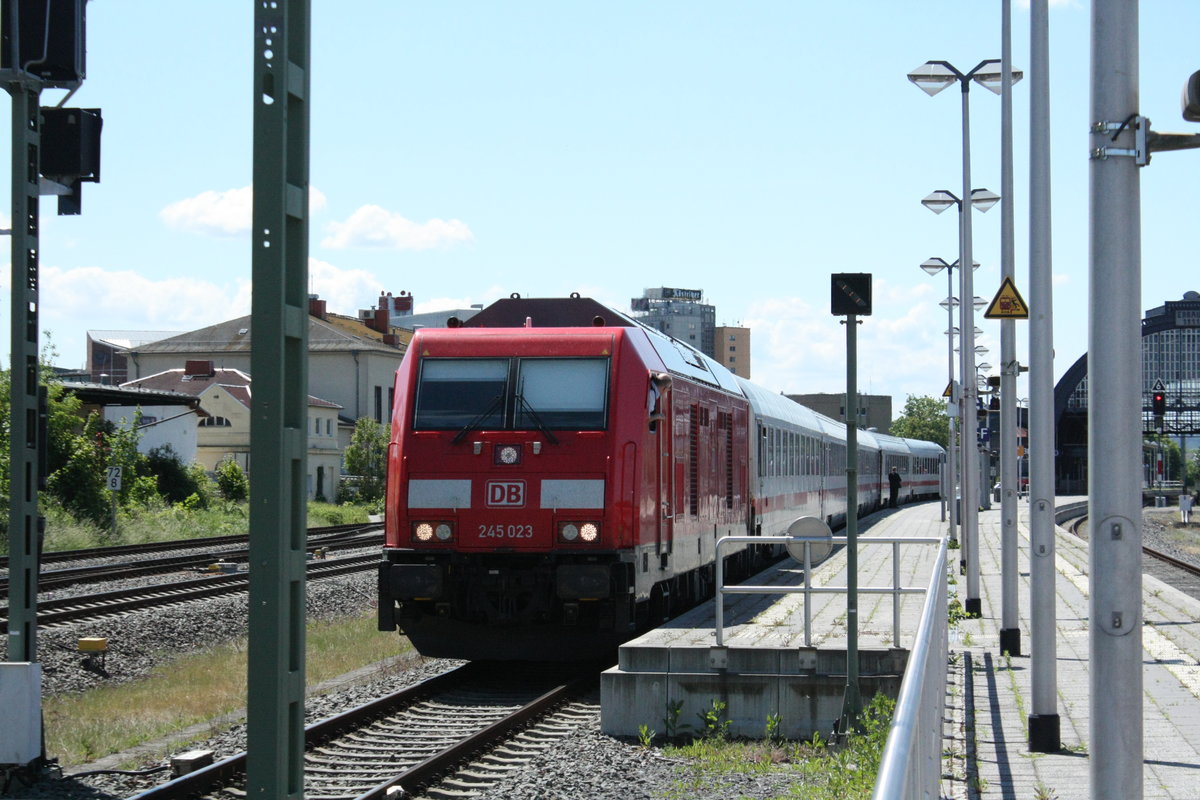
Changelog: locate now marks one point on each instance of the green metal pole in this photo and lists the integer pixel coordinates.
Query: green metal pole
(278, 434)
(852, 701)
(24, 524)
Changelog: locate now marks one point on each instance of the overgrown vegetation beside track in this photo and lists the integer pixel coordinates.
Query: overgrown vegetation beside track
(196, 688)
(814, 770)
(162, 523)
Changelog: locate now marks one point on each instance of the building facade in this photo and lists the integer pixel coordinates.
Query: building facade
(223, 432)
(874, 411)
(1170, 365)
(732, 349)
(679, 313)
(350, 363)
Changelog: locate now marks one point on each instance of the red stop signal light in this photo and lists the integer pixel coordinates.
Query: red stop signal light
(1159, 404)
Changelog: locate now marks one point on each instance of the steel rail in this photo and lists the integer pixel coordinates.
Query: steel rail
(232, 770)
(53, 556)
(52, 612)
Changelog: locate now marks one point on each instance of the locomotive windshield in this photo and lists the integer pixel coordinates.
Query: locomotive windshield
(512, 394)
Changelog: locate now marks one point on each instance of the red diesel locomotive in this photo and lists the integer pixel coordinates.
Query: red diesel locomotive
(559, 474)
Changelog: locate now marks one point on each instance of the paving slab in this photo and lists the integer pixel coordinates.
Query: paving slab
(986, 742)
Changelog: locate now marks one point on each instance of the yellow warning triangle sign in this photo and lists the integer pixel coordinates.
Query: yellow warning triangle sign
(949, 390)
(1008, 303)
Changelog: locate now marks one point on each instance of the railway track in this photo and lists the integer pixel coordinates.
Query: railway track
(414, 738)
(1183, 575)
(102, 604)
(234, 549)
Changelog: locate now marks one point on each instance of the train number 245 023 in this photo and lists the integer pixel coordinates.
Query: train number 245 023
(505, 531)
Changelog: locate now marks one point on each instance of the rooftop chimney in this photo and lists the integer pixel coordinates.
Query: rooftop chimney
(198, 369)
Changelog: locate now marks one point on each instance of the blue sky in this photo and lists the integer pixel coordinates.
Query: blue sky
(462, 151)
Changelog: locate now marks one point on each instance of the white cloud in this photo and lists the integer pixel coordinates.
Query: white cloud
(372, 226)
(799, 348)
(224, 214)
(344, 290)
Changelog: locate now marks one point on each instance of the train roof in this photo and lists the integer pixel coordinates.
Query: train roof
(583, 312)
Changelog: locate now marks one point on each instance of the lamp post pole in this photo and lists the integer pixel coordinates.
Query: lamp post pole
(932, 77)
(933, 266)
(1044, 723)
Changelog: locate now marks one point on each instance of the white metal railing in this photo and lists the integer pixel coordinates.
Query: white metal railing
(808, 589)
(911, 765)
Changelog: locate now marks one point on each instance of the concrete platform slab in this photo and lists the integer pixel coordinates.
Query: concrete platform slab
(670, 678)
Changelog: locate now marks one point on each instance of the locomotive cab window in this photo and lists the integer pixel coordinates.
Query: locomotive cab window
(453, 393)
(561, 393)
(512, 394)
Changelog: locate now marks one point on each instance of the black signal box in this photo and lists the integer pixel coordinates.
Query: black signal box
(49, 37)
(850, 294)
(71, 143)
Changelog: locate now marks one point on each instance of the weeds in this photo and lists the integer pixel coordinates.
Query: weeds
(671, 720)
(1044, 792)
(711, 724)
(645, 736)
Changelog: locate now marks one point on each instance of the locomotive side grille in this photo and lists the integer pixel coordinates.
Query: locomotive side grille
(728, 420)
(693, 460)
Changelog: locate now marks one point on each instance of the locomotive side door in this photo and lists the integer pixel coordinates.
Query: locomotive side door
(664, 441)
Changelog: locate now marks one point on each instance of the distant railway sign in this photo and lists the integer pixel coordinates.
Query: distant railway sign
(1008, 303)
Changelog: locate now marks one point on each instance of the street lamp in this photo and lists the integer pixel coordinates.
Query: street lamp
(933, 266)
(931, 78)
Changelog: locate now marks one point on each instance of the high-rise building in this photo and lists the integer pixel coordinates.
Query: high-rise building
(679, 313)
(732, 349)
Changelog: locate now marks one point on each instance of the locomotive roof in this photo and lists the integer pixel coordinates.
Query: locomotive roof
(547, 312)
(583, 312)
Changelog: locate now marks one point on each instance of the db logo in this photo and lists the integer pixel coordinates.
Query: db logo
(505, 493)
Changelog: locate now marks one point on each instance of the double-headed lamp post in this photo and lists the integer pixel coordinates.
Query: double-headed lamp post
(937, 202)
(932, 77)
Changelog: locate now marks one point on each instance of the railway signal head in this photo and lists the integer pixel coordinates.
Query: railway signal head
(1159, 403)
(850, 294)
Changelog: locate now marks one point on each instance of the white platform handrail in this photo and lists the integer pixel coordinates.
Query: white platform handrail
(808, 589)
(911, 765)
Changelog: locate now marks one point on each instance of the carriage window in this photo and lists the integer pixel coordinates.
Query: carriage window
(562, 393)
(456, 392)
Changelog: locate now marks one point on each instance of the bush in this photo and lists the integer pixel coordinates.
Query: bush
(232, 482)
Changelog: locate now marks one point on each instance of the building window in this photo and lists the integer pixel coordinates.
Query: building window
(214, 422)
(379, 404)
(329, 427)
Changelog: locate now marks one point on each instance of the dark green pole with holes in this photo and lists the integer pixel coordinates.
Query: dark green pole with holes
(279, 408)
(850, 296)
(24, 525)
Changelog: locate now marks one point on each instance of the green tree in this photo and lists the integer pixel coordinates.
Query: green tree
(924, 418)
(232, 482)
(366, 458)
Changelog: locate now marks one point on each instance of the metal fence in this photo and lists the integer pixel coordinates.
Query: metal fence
(808, 589)
(911, 766)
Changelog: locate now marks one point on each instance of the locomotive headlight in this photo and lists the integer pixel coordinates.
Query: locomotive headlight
(443, 532)
(584, 532)
(507, 454)
(423, 532)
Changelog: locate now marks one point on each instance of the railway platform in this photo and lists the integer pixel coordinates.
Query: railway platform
(673, 672)
(670, 677)
(988, 743)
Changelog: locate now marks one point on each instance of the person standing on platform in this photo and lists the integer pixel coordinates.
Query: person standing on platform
(894, 484)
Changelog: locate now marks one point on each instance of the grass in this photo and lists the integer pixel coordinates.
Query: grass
(194, 689)
(162, 523)
(818, 770)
